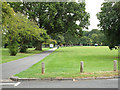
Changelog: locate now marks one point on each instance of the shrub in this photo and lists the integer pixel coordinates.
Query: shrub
(23, 48)
(13, 48)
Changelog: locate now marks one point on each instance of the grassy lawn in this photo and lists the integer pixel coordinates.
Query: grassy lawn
(65, 62)
(7, 58)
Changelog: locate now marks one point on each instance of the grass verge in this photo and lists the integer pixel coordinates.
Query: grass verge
(7, 58)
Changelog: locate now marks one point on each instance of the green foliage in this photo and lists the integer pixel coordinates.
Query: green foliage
(59, 38)
(55, 17)
(71, 38)
(28, 31)
(7, 12)
(9, 31)
(13, 47)
(92, 37)
(40, 37)
(85, 40)
(109, 18)
(18, 28)
(53, 41)
(88, 38)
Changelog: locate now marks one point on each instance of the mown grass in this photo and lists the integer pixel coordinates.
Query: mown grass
(65, 62)
(7, 58)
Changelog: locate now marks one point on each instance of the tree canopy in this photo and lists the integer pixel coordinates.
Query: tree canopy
(18, 30)
(32, 22)
(109, 18)
(55, 17)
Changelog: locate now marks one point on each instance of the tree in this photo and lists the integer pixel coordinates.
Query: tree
(109, 18)
(8, 32)
(102, 39)
(55, 17)
(85, 40)
(18, 30)
(7, 12)
(95, 36)
(28, 31)
(59, 38)
(41, 37)
(71, 39)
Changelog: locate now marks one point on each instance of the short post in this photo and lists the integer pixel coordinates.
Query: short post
(115, 65)
(81, 66)
(43, 67)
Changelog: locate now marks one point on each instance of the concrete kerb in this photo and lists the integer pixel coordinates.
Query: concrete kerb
(51, 79)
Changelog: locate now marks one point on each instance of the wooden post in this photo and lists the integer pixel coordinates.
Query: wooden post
(43, 67)
(115, 65)
(81, 66)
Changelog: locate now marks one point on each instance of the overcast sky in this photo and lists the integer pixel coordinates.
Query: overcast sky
(93, 7)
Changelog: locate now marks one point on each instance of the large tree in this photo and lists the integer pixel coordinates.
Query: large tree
(109, 18)
(55, 17)
(8, 33)
(19, 30)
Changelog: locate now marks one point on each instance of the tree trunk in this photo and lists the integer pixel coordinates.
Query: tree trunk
(39, 46)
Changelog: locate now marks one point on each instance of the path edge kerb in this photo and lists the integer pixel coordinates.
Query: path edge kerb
(51, 79)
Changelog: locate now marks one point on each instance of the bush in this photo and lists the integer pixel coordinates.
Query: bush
(23, 48)
(13, 48)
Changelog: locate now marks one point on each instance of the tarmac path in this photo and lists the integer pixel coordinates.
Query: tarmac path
(14, 67)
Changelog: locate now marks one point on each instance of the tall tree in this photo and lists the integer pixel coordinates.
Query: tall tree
(8, 30)
(19, 30)
(55, 17)
(109, 18)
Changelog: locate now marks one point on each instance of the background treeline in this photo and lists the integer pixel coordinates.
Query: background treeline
(89, 38)
(93, 37)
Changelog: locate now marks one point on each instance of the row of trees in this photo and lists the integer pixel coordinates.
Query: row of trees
(87, 38)
(93, 37)
(66, 38)
(109, 18)
(25, 23)
(58, 18)
(35, 23)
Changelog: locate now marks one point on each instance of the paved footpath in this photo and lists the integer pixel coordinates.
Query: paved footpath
(14, 67)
